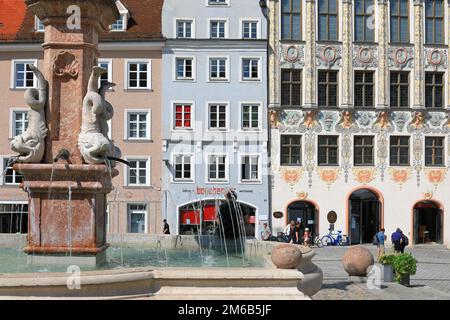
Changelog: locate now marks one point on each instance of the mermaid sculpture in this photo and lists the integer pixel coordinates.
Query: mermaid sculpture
(93, 141)
(30, 145)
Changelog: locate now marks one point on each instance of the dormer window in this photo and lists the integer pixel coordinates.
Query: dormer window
(122, 23)
(38, 25)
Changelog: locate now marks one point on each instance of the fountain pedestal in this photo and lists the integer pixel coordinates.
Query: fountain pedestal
(67, 208)
(67, 212)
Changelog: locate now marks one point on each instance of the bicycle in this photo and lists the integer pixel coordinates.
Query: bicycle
(330, 240)
(317, 241)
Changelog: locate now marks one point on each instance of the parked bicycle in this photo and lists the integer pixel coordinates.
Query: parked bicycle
(330, 240)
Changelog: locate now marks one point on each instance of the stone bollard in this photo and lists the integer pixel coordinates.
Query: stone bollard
(356, 262)
(286, 256)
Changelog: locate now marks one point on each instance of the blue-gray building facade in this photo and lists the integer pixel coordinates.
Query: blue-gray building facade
(215, 134)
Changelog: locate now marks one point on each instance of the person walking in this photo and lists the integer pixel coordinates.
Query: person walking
(404, 242)
(289, 231)
(298, 234)
(166, 228)
(396, 239)
(380, 238)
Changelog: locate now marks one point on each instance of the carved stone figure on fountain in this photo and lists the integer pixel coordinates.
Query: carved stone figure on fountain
(93, 141)
(30, 145)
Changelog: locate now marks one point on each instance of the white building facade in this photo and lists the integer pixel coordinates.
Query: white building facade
(215, 134)
(359, 114)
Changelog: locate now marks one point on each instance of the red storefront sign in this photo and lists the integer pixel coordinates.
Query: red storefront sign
(189, 217)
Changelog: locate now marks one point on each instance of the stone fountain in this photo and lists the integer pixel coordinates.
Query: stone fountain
(63, 155)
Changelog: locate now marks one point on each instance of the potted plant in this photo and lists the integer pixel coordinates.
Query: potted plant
(387, 261)
(405, 265)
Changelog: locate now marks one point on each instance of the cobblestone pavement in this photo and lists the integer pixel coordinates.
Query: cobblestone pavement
(432, 277)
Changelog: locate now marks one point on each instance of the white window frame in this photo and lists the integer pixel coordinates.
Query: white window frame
(2, 164)
(175, 27)
(241, 115)
(227, 69)
(256, 181)
(227, 166)
(226, 27)
(149, 74)
(12, 122)
(241, 76)
(137, 212)
(110, 68)
(15, 62)
(175, 74)
(258, 28)
(183, 180)
(227, 115)
(38, 25)
(183, 129)
(147, 174)
(127, 113)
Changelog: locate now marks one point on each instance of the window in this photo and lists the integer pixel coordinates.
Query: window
(434, 22)
(120, 24)
(434, 90)
(328, 151)
(138, 75)
(399, 20)
(291, 87)
(138, 127)
(217, 29)
(10, 176)
(364, 16)
(291, 150)
(184, 29)
(434, 151)
(250, 117)
(183, 168)
(328, 20)
(38, 25)
(218, 69)
(328, 88)
(364, 88)
(106, 77)
(399, 89)
(399, 151)
(291, 19)
(217, 116)
(183, 116)
(184, 68)
(13, 217)
(19, 122)
(249, 29)
(138, 172)
(137, 218)
(23, 75)
(217, 2)
(363, 151)
(217, 168)
(250, 169)
(250, 69)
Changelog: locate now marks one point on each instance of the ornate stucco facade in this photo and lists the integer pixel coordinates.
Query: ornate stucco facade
(402, 195)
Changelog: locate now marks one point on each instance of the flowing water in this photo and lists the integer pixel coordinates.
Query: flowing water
(14, 260)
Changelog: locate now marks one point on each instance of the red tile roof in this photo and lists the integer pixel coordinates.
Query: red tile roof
(17, 22)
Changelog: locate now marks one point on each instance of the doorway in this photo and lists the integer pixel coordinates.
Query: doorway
(306, 213)
(364, 216)
(427, 222)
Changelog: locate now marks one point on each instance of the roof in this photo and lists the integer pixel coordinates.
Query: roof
(17, 22)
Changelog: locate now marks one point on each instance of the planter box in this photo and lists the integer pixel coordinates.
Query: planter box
(388, 273)
(405, 281)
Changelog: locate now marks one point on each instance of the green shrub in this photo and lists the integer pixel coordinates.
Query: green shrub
(387, 259)
(404, 264)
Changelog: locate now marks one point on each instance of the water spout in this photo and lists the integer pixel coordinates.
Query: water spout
(63, 154)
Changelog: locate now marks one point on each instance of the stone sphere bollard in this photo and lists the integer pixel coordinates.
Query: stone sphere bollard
(286, 256)
(357, 260)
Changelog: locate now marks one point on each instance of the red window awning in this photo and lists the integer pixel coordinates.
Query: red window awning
(189, 217)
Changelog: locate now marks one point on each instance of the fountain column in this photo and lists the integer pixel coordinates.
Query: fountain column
(67, 215)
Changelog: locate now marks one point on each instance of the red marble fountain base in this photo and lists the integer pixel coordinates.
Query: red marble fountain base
(67, 212)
